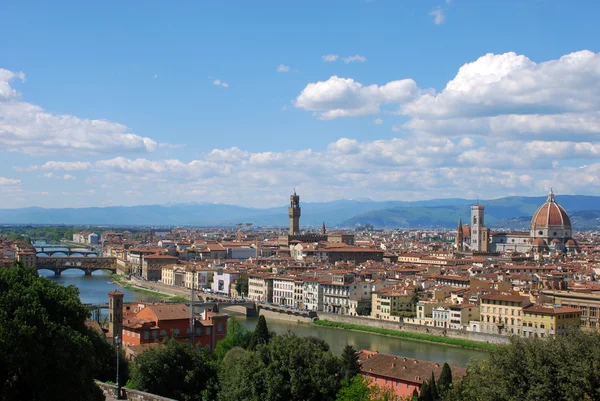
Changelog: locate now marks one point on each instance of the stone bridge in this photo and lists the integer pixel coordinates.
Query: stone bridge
(88, 265)
(67, 251)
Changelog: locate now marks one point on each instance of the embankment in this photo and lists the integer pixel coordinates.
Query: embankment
(456, 338)
(284, 316)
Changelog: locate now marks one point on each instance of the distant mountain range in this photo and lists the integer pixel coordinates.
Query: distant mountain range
(510, 212)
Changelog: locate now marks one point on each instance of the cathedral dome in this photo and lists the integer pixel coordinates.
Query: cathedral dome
(550, 214)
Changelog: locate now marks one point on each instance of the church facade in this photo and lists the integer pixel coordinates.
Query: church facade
(550, 231)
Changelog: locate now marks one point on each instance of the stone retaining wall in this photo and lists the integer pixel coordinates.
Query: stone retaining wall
(268, 314)
(415, 328)
(129, 394)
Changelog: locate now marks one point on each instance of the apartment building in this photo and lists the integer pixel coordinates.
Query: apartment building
(343, 295)
(283, 291)
(312, 294)
(260, 287)
(542, 321)
(502, 314)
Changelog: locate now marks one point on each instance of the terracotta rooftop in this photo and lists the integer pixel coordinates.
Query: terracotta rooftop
(405, 369)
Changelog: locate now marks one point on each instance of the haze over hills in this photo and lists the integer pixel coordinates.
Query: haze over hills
(509, 212)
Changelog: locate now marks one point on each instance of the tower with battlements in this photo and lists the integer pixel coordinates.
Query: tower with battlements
(294, 214)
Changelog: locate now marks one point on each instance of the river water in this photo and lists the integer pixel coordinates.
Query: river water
(94, 289)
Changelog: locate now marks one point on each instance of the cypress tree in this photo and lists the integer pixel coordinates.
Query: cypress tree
(415, 395)
(433, 388)
(261, 333)
(425, 394)
(445, 381)
(350, 365)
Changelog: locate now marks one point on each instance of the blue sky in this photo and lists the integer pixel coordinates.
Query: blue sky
(112, 103)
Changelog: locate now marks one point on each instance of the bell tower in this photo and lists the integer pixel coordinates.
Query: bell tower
(477, 224)
(459, 237)
(115, 314)
(294, 214)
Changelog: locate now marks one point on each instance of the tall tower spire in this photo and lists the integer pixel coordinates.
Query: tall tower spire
(323, 229)
(294, 213)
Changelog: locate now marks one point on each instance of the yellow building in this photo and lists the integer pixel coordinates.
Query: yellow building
(388, 303)
(587, 303)
(542, 321)
(502, 313)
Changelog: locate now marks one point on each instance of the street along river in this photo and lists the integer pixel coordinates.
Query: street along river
(93, 289)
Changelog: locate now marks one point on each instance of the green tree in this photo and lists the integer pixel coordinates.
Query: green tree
(562, 368)
(425, 392)
(241, 286)
(414, 300)
(288, 368)
(433, 388)
(45, 348)
(237, 336)
(261, 333)
(105, 354)
(356, 389)
(175, 370)
(350, 365)
(415, 395)
(445, 381)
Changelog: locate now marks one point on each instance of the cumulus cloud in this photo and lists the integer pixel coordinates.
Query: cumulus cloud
(28, 128)
(283, 68)
(354, 59)
(344, 97)
(438, 15)
(68, 177)
(378, 121)
(498, 94)
(330, 58)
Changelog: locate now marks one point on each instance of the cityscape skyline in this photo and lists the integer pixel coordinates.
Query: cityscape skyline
(204, 103)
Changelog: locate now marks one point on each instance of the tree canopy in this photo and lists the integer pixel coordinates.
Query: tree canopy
(47, 351)
(561, 368)
(237, 336)
(288, 368)
(175, 370)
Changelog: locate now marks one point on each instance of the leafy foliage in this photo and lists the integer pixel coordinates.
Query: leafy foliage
(288, 368)
(47, 351)
(237, 336)
(562, 368)
(241, 286)
(175, 370)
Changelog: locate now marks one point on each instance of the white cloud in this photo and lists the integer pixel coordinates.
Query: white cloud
(9, 181)
(218, 82)
(27, 128)
(68, 177)
(64, 166)
(352, 59)
(438, 15)
(330, 58)
(344, 97)
(378, 121)
(283, 68)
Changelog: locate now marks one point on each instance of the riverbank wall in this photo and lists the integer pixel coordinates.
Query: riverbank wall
(434, 331)
(283, 316)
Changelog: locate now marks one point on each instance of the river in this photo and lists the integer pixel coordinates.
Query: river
(93, 289)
